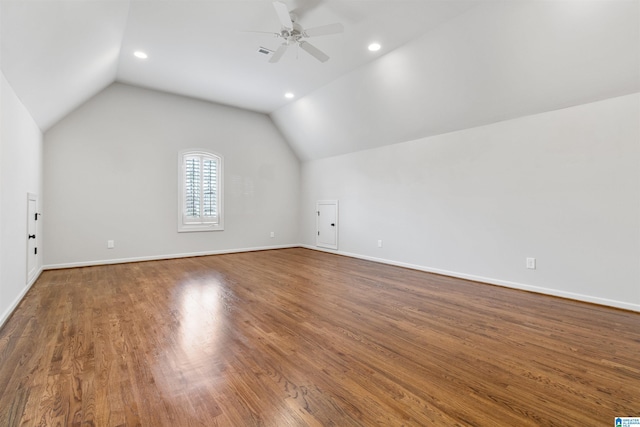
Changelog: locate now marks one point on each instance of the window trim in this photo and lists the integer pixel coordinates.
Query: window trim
(184, 226)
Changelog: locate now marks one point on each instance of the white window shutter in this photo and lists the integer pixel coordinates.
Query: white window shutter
(200, 189)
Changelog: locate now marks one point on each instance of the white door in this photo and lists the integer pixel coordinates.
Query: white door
(327, 224)
(32, 236)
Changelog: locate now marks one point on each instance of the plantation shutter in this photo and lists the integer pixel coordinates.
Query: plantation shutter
(210, 188)
(201, 189)
(192, 185)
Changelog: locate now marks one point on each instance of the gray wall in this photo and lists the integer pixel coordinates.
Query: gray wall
(110, 171)
(561, 186)
(20, 173)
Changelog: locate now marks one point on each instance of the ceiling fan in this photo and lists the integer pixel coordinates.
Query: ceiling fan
(293, 34)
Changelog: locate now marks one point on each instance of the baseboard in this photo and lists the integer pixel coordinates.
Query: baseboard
(489, 280)
(7, 313)
(160, 257)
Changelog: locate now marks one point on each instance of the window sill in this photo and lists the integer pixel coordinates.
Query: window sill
(182, 228)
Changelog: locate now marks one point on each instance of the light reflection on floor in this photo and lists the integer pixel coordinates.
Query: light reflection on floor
(200, 326)
(194, 359)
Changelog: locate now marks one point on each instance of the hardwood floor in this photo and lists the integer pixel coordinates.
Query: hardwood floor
(296, 337)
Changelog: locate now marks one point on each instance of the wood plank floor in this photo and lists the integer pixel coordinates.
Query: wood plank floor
(296, 337)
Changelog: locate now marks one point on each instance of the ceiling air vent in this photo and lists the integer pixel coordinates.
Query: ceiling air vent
(264, 51)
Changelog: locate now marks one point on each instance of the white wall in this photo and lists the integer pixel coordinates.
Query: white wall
(20, 173)
(561, 186)
(110, 172)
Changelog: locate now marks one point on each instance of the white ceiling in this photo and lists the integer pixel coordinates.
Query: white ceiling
(58, 53)
(498, 61)
(445, 64)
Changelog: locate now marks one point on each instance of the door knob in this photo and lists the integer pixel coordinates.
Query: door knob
(332, 224)
(32, 236)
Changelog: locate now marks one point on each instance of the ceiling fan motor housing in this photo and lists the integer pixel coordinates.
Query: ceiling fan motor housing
(292, 35)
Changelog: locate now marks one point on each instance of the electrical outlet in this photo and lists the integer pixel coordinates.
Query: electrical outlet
(379, 243)
(531, 263)
(273, 234)
(110, 244)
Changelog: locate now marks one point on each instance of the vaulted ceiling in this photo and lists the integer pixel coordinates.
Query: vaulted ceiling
(56, 53)
(444, 64)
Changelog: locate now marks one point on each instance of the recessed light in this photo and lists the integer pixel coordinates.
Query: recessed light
(140, 54)
(374, 47)
(289, 95)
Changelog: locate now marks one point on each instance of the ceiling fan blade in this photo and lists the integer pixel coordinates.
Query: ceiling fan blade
(314, 51)
(278, 53)
(324, 30)
(283, 14)
(260, 32)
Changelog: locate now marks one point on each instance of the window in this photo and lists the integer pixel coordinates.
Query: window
(200, 189)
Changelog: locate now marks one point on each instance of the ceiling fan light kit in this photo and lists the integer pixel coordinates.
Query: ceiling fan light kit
(293, 33)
